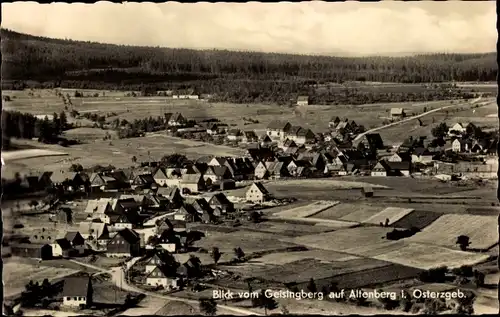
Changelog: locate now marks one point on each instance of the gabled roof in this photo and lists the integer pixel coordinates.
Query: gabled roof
(76, 286)
(220, 198)
(129, 235)
(289, 143)
(201, 205)
(71, 235)
(99, 228)
(260, 187)
(401, 166)
(250, 134)
(64, 244)
(220, 160)
(234, 132)
(176, 117)
(219, 171)
(188, 209)
(146, 178)
(191, 178)
(277, 125)
(374, 140)
(294, 130)
(305, 132)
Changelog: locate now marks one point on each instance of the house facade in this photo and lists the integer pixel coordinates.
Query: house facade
(125, 243)
(257, 193)
(77, 292)
(276, 130)
(302, 101)
(158, 277)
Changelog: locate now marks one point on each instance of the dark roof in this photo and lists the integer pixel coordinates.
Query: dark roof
(201, 204)
(402, 166)
(261, 187)
(76, 286)
(71, 235)
(304, 132)
(375, 140)
(168, 115)
(219, 170)
(129, 235)
(64, 244)
(234, 132)
(294, 130)
(221, 198)
(277, 125)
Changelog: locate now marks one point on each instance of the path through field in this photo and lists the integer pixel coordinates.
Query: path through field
(359, 136)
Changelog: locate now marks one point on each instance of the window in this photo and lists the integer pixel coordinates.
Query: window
(68, 298)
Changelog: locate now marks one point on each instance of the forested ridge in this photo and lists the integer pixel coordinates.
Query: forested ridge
(28, 61)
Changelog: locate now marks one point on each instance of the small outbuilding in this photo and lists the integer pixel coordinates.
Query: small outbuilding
(367, 191)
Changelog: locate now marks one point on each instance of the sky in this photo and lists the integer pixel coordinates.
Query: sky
(344, 28)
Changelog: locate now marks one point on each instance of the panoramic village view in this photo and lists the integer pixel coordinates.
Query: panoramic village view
(144, 180)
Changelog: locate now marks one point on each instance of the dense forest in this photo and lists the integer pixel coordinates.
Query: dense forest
(30, 61)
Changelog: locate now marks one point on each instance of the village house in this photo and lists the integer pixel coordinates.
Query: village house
(372, 141)
(380, 169)
(457, 129)
(261, 171)
(397, 113)
(234, 135)
(302, 101)
(398, 168)
(249, 137)
(159, 277)
(217, 174)
(95, 233)
(220, 201)
(399, 157)
(276, 130)
(62, 248)
(266, 141)
(217, 161)
(305, 136)
(187, 213)
(76, 240)
(77, 292)
(173, 194)
(277, 169)
(143, 181)
(177, 120)
(98, 206)
(125, 243)
(194, 183)
(422, 155)
(156, 260)
(102, 182)
(288, 144)
(333, 122)
(257, 193)
(292, 133)
(201, 206)
(461, 146)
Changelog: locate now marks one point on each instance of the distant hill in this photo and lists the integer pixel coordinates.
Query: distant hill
(32, 61)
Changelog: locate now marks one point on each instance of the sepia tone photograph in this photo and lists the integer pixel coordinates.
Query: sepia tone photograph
(249, 158)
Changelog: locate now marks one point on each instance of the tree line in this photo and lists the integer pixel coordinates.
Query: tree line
(27, 126)
(241, 77)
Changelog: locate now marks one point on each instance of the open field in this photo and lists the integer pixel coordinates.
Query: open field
(129, 108)
(390, 213)
(120, 152)
(482, 231)
(303, 270)
(16, 274)
(348, 212)
(306, 211)
(344, 239)
(282, 258)
(9, 156)
(430, 256)
(417, 218)
(250, 242)
(285, 228)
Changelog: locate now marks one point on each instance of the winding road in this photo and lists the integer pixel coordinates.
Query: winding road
(118, 278)
(359, 136)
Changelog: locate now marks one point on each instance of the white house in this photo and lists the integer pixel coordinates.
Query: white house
(460, 146)
(158, 277)
(457, 128)
(257, 193)
(234, 135)
(276, 130)
(397, 113)
(379, 169)
(302, 101)
(77, 292)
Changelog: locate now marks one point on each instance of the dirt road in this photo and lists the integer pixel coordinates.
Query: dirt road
(359, 136)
